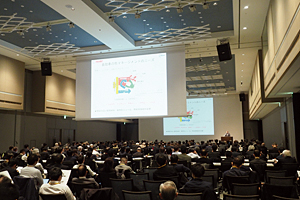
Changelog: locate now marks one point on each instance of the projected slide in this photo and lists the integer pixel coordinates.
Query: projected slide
(199, 120)
(129, 86)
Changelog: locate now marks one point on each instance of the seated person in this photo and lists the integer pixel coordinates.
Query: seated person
(31, 171)
(54, 187)
(197, 185)
(168, 190)
(11, 168)
(163, 170)
(82, 172)
(8, 190)
(203, 159)
(183, 156)
(80, 161)
(122, 168)
(138, 153)
(214, 155)
(235, 170)
(178, 167)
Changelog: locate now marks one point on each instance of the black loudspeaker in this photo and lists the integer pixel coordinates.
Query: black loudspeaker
(224, 52)
(242, 97)
(46, 68)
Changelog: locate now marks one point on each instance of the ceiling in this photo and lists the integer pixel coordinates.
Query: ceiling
(65, 29)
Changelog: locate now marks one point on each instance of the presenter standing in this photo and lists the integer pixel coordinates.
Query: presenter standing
(227, 134)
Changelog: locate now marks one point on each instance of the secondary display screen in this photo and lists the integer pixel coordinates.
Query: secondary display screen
(199, 120)
(129, 86)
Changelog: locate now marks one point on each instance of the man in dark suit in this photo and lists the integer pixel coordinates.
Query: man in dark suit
(197, 185)
(286, 158)
(274, 149)
(138, 153)
(178, 167)
(204, 159)
(163, 170)
(258, 164)
(161, 152)
(82, 172)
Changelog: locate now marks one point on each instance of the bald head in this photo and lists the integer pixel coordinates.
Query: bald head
(168, 190)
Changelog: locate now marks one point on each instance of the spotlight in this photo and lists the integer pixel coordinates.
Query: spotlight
(137, 15)
(192, 8)
(111, 19)
(179, 9)
(48, 27)
(71, 25)
(20, 32)
(205, 5)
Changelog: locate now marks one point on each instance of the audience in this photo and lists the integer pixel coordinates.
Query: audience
(84, 153)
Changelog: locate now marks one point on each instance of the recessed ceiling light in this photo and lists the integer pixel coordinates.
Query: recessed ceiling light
(56, 36)
(165, 22)
(30, 11)
(150, 28)
(29, 40)
(167, 10)
(2, 34)
(242, 63)
(65, 31)
(17, 54)
(22, 6)
(124, 17)
(34, 29)
(182, 20)
(218, 26)
(242, 76)
(147, 24)
(62, 39)
(245, 28)
(202, 21)
(161, 18)
(184, 24)
(144, 20)
(242, 70)
(5, 8)
(72, 9)
(200, 17)
(246, 7)
(243, 54)
(36, 35)
(50, 33)
(167, 26)
(215, 4)
(199, 13)
(70, 34)
(43, 38)
(75, 38)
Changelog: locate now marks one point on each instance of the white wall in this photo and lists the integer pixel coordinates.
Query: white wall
(227, 115)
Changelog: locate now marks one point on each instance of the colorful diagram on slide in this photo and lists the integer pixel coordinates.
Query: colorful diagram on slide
(188, 118)
(124, 84)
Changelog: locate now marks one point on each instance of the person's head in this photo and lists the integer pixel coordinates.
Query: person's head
(58, 158)
(183, 149)
(124, 160)
(80, 159)
(162, 149)
(286, 153)
(197, 170)
(32, 159)
(233, 149)
(256, 153)
(203, 153)
(55, 174)
(237, 161)
(12, 163)
(161, 160)
(168, 190)
(108, 164)
(139, 149)
(214, 147)
(8, 190)
(174, 159)
(274, 145)
(228, 154)
(35, 151)
(82, 171)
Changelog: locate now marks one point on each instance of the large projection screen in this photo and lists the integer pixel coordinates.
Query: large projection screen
(129, 85)
(200, 119)
(227, 116)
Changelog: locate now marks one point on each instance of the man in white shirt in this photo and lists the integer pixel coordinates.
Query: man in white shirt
(54, 187)
(120, 169)
(193, 153)
(31, 172)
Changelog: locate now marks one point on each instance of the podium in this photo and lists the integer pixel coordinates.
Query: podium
(226, 138)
